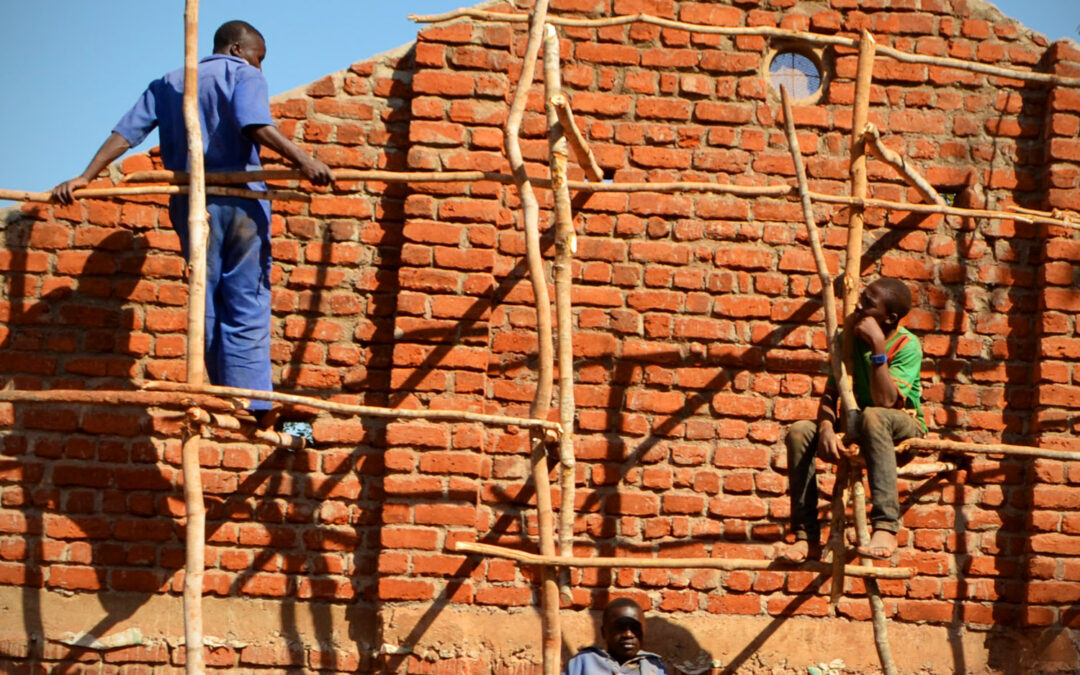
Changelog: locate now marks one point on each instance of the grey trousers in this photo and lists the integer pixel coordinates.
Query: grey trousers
(880, 429)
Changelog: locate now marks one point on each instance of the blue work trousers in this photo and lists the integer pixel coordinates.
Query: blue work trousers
(237, 291)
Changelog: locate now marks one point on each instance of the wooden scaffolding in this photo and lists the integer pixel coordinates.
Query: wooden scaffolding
(209, 406)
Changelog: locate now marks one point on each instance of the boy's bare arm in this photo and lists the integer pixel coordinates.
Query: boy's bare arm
(830, 447)
(882, 388)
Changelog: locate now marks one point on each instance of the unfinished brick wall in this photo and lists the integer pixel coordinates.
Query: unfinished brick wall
(698, 338)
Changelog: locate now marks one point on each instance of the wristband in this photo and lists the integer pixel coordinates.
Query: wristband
(879, 359)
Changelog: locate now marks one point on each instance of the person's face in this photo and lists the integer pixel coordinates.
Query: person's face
(623, 631)
(872, 304)
(251, 48)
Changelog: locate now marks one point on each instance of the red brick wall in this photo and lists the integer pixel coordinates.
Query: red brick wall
(698, 339)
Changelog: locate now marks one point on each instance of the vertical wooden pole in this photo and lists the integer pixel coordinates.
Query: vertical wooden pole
(852, 270)
(837, 525)
(852, 483)
(197, 234)
(836, 359)
(877, 606)
(549, 588)
(564, 251)
(853, 261)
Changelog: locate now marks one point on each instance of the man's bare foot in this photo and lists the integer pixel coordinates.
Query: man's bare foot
(882, 546)
(798, 552)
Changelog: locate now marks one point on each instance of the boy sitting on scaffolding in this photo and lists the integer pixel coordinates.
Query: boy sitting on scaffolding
(888, 362)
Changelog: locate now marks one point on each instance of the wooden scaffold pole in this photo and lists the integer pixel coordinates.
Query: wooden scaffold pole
(896, 161)
(135, 190)
(634, 562)
(195, 532)
(350, 409)
(549, 589)
(1004, 449)
(828, 295)
(565, 244)
(852, 484)
(582, 151)
(763, 31)
(852, 268)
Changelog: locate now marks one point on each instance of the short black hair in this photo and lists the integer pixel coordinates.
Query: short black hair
(623, 602)
(896, 296)
(232, 32)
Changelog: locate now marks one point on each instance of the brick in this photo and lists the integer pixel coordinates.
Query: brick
(73, 578)
(455, 463)
(606, 53)
(663, 109)
(601, 104)
(442, 83)
(723, 113)
(436, 133)
(632, 504)
(738, 507)
(405, 589)
(504, 596)
(683, 504)
(1055, 544)
(445, 514)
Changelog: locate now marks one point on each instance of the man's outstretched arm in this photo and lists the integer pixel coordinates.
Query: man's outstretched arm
(270, 136)
(114, 146)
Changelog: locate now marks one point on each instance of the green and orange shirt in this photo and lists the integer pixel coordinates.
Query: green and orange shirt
(905, 366)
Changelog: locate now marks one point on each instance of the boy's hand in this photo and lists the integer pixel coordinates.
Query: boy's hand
(829, 446)
(869, 331)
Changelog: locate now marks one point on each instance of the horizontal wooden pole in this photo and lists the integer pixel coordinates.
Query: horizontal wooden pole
(505, 17)
(944, 210)
(128, 191)
(685, 186)
(781, 190)
(763, 31)
(1069, 216)
(470, 176)
(148, 399)
(936, 445)
(680, 563)
(340, 175)
(924, 469)
(981, 68)
(358, 410)
(277, 439)
(1018, 215)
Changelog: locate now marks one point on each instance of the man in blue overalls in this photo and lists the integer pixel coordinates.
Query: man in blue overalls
(235, 111)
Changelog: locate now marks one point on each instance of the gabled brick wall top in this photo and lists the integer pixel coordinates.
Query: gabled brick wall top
(698, 339)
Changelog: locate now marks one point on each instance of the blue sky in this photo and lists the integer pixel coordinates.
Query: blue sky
(71, 68)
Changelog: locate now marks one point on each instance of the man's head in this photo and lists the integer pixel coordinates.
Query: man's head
(240, 39)
(886, 300)
(623, 628)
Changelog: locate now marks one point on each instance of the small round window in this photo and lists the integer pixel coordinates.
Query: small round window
(799, 74)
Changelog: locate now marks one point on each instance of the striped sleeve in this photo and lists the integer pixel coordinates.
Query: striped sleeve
(905, 367)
